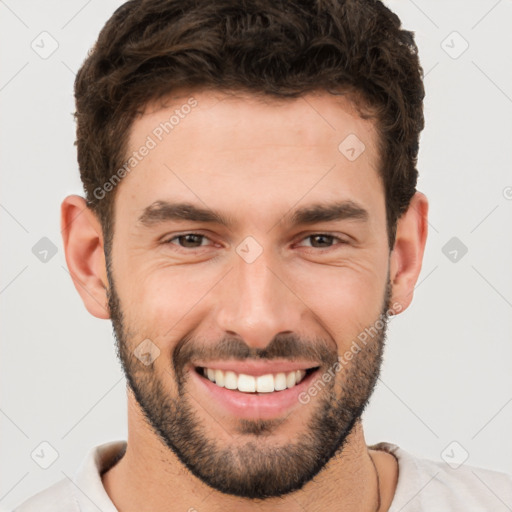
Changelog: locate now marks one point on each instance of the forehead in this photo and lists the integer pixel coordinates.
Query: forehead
(213, 147)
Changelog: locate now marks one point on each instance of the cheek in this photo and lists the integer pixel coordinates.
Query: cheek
(157, 300)
(344, 299)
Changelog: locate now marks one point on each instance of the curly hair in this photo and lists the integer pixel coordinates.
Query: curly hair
(278, 48)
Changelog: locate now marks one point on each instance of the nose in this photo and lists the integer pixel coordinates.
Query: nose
(257, 302)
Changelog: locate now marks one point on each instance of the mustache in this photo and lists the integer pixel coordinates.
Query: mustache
(287, 346)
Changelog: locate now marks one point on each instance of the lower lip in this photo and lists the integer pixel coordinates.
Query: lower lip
(253, 405)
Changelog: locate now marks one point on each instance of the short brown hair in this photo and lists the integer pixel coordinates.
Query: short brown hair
(148, 48)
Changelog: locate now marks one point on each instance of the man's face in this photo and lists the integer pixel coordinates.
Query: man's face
(287, 276)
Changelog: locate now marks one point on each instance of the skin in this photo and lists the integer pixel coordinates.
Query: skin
(255, 162)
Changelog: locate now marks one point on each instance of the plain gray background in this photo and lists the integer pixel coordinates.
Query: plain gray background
(445, 389)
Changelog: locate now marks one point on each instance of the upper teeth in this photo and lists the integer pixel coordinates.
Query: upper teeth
(250, 384)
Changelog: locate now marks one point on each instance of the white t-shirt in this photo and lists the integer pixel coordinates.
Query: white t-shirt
(423, 485)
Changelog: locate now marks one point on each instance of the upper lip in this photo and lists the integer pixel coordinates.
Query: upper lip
(257, 368)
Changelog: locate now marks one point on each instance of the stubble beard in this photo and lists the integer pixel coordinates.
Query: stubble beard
(251, 466)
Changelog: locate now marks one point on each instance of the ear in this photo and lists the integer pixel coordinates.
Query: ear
(85, 257)
(407, 254)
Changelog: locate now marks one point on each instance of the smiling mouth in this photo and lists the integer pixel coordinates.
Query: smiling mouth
(267, 383)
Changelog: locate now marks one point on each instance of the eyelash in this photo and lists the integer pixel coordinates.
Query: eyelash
(333, 237)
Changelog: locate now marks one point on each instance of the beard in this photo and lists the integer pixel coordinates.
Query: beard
(255, 468)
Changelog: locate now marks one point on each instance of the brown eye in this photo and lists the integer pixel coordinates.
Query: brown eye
(321, 241)
(189, 241)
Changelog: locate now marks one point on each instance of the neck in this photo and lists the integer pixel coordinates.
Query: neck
(151, 477)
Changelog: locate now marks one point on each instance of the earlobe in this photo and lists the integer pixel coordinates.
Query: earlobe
(83, 246)
(407, 254)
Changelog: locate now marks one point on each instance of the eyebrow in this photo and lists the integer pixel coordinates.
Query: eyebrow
(329, 212)
(163, 211)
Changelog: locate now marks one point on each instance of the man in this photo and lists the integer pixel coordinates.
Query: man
(251, 221)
